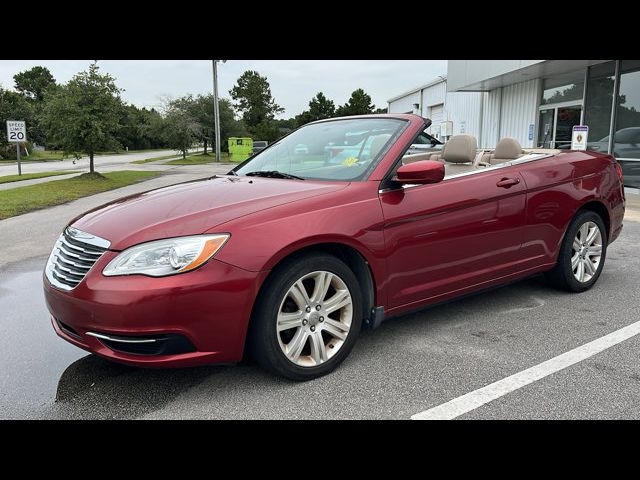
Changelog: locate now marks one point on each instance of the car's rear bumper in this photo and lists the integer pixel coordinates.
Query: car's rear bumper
(205, 311)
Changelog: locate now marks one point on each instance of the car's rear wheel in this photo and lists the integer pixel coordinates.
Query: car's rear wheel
(307, 318)
(582, 254)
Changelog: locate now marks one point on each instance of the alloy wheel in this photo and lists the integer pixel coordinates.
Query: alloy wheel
(586, 252)
(314, 318)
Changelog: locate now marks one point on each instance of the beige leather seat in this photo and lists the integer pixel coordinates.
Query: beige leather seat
(507, 149)
(459, 154)
(416, 157)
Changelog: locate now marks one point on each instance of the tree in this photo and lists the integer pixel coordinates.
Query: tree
(303, 118)
(267, 130)
(84, 114)
(253, 98)
(320, 107)
(140, 128)
(203, 112)
(358, 104)
(199, 113)
(181, 128)
(380, 110)
(34, 83)
(13, 106)
(229, 125)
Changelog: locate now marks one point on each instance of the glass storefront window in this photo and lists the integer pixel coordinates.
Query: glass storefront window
(597, 114)
(626, 141)
(564, 88)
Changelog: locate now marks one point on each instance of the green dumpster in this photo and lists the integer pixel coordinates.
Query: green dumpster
(240, 148)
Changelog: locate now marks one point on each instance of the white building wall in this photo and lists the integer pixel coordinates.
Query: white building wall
(491, 117)
(519, 110)
(508, 112)
(433, 95)
(404, 104)
(463, 109)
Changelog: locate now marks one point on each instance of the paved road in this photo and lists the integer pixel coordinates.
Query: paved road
(409, 365)
(101, 162)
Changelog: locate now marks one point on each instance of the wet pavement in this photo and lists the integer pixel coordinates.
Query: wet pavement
(46, 377)
(410, 364)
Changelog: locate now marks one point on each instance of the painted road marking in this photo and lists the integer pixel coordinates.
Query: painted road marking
(472, 400)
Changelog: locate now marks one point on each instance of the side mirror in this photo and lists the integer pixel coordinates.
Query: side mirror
(423, 172)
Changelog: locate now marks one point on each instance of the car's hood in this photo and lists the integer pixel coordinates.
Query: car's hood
(192, 208)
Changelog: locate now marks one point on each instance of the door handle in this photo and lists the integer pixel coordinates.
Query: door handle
(508, 182)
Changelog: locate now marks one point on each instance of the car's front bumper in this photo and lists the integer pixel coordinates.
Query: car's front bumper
(209, 308)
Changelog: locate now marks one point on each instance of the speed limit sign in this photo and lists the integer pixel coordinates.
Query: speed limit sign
(16, 131)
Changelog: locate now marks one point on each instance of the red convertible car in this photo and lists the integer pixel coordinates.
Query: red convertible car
(290, 254)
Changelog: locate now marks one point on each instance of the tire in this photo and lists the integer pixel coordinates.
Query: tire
(281, 304)
(563, 275)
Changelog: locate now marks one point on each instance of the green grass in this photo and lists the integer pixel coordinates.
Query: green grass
(44, 156)
(31, 176)
(38, 156)
(198, 159)
(17, 201)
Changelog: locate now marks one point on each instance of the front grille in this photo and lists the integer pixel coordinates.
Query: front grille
(73, 255)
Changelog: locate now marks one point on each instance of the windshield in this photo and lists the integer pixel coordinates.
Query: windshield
(342, 150)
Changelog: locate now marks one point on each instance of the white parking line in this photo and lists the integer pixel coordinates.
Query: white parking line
(472, 400)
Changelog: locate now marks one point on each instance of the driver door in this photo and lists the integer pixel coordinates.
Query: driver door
(447, 237)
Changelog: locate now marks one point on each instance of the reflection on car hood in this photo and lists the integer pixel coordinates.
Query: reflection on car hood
(192, 208)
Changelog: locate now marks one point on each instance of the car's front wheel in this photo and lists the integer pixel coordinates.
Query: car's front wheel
(307, 318)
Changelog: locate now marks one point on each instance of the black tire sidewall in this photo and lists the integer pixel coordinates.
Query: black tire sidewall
(263, 334)
(564, 259)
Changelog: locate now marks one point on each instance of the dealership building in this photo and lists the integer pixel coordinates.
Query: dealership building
(536, 102)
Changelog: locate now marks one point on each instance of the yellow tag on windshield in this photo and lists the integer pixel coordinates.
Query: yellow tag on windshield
(350, 161)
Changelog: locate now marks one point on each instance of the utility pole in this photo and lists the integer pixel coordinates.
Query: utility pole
(216, 107)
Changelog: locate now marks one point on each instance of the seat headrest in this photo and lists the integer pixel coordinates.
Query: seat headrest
(460, 149)
(508, 148)
(378, 142)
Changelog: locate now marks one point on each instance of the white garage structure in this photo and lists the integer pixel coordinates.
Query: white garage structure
(462, 109)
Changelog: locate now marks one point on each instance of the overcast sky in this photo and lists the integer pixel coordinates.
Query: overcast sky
(293, 82)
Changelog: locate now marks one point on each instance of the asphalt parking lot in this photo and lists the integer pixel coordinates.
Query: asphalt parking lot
(409, 365)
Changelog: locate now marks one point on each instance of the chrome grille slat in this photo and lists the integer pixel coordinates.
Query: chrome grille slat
(65, 271)
(68, 264)
(64, 276)
(65, 250)
(78, 262)
(60, 282)
(83, 246)
(77, 250)
(73, 256)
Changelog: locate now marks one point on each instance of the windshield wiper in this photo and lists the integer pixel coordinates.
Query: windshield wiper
(273, 174)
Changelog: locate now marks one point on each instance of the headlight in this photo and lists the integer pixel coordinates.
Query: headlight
(166, 257)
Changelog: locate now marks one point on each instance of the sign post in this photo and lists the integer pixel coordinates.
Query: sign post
(17, 132)
(579, 135)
